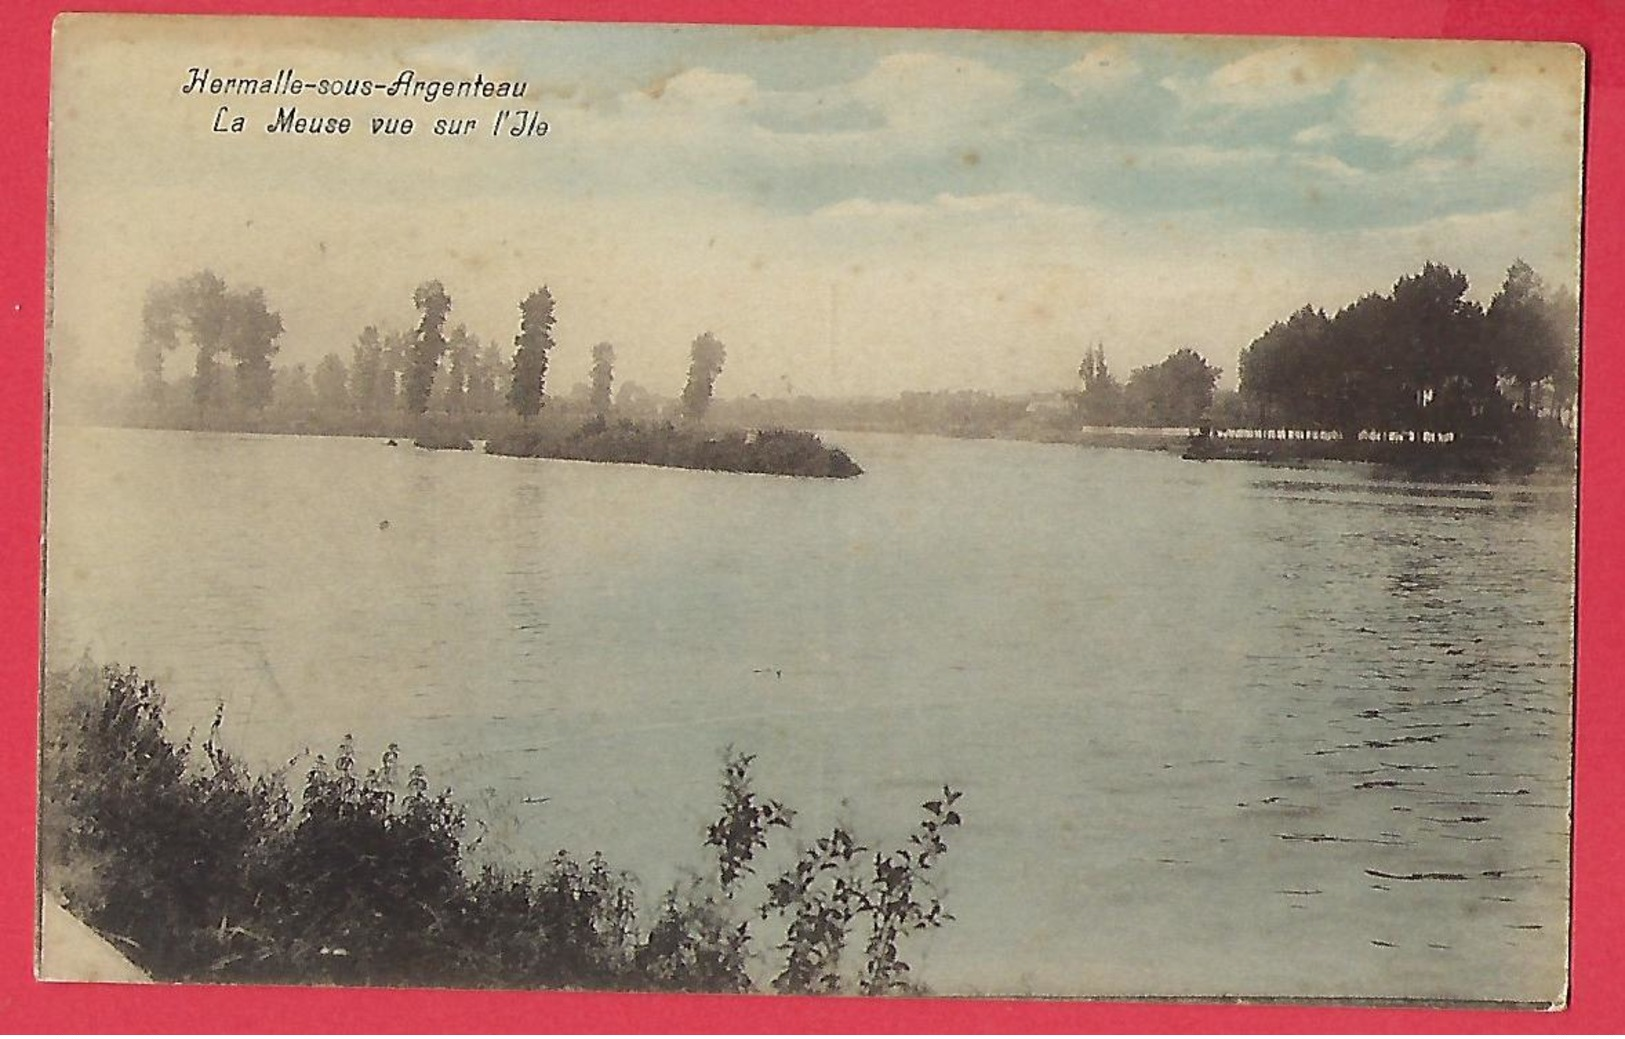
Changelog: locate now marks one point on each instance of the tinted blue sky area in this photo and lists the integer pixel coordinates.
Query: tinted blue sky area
(1267, 133)
(850, 210)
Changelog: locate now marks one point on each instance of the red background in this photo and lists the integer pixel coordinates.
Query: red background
(1597, 1001)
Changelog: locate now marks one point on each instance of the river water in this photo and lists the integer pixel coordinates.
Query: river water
(1223, 729)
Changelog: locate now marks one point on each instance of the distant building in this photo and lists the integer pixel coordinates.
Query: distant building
(1050, 404)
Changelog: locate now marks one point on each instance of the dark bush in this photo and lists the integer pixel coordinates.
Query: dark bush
(200, 870)
(444, 442)
(776, 452)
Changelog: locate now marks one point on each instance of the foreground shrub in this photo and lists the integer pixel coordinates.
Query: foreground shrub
(200, 870)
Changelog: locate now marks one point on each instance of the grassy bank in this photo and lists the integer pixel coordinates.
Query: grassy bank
(563, 432)
(777, 451)
(200, 869)
(1451, 459)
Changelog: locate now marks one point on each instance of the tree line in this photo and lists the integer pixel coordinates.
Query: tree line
(233, 336)
(1176, 391)
(1421, 360)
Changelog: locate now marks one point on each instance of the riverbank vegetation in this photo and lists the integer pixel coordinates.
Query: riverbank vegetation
(1422, 360)
(199, 868)
(1421, 376)
(440, 387)
(777, 451)
(1422, 365)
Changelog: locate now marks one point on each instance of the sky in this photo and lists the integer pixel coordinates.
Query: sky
(849, 211)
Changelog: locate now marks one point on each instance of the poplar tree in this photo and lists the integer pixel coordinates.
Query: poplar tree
(603, 376)
(705, 364)
(534, 340)
(429, 344)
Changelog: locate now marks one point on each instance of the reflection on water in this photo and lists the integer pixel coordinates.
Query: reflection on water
(1224, 730)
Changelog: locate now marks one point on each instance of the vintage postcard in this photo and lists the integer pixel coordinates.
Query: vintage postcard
(681, 508)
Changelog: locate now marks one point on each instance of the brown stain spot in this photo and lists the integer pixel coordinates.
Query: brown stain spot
(657, 89)
(971, 158)
(1130, 160)
(1298, 75)
(758, 263)
(856, 270)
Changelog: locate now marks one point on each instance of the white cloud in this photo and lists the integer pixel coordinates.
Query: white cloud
(1008, 205)
(926, 92)
(869, 209)
(1320, 133)
(1403, 104)
(1281, 75)
(1436, 167)
(1105, 68)
(1200, 156)
(706, 88)
(1328, 165)
(1517, 115)
(1523, 108)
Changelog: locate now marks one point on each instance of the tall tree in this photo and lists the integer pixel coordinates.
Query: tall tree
(217, 321)
(159, 335)
(1364, 392)
(252, 329)
(532, 344)
(203, 300)
(484, 379)
(1435, 343)
(366, 369)
(1565, 316)
(1178, 391)
(1279, 369)
(331, 385)
(429, 344)
(392, 377)
(603, 376)
(1527, 342)
(706, 356)
(1101, 401)
(293, 391)
(452, 388)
